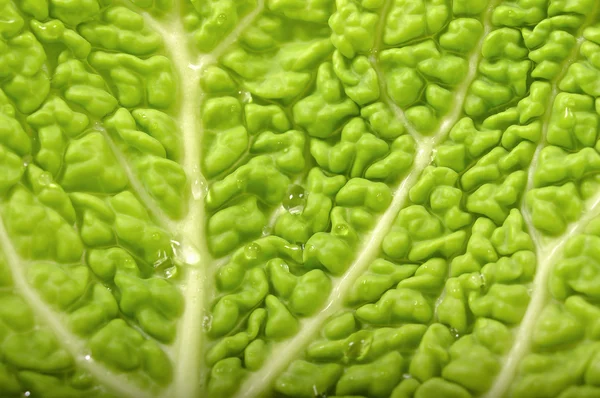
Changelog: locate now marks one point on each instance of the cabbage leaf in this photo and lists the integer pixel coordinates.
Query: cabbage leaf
(299, 198)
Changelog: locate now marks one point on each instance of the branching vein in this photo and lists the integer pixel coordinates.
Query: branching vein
(548, 252)
(71, 343)
(282, 353)
(194, 253)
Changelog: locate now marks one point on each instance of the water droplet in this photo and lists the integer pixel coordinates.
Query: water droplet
(45, 179)
(191, 256)
(177, 251)
(296, 210)
(295, 199)
(252, 251)
(317, 393)
(27, 160)
(359, 346)
(98, 126)
(88, 357)
(341, 229)
(266, 230)
(221, 19)
(246, 97)
(185, 254)
(240, 183)
(455, 332)
(196, 67)
(171, 272)
(162, 259)
(27, 393)
(156, 236)
(129, 264)
(199, 188)
(206, 322)
(295, 249)
(483, 282)
(568, 113)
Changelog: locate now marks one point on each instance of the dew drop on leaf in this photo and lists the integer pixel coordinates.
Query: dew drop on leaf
(27, 160)
(341, 230)
(252, 251)
(206, 322)
(358, 347)
(569, 115)
(245, 96)
(171, 272)
(45, 179)
(266, 230)
(162, 259)
(199, 188)
(295, 199)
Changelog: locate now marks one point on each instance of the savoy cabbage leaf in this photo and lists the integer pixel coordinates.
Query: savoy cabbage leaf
(299, 198)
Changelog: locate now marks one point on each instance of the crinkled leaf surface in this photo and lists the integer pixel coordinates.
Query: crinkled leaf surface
(299, 198)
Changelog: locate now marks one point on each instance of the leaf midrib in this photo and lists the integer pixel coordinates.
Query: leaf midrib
(191, 230)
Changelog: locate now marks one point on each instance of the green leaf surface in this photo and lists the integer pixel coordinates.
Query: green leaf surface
(299, 198)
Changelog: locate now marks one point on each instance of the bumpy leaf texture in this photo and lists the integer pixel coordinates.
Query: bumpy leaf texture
(299, 198)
